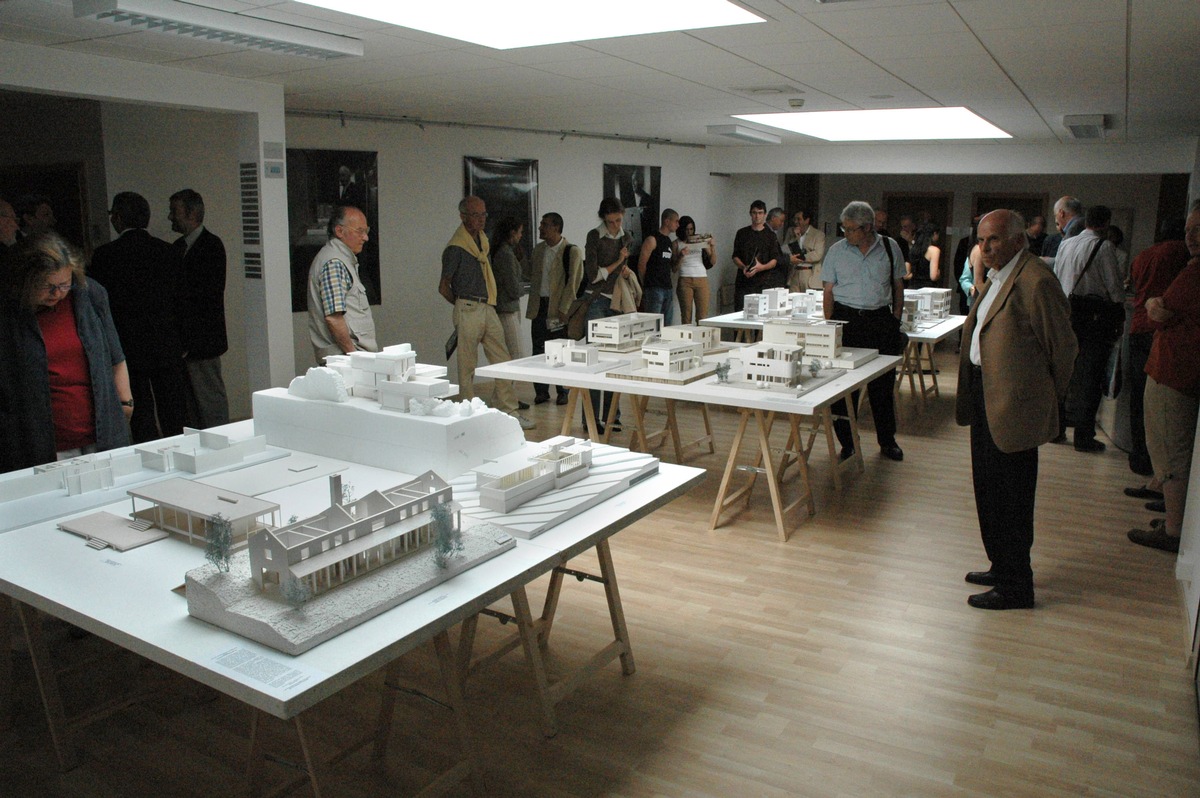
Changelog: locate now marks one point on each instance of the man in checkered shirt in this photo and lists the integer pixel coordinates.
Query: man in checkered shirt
(339, 316)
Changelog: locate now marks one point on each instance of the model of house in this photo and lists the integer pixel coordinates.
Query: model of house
(624, 333)
(820, 339)
(754, 307)
(350, 538)
(707, 337)
(186, 508)
(803, 305)
(565, 352)
(672, 357)
(773, 364)
(932, 303)
(507, 483)
(197, 451)
(391, 377)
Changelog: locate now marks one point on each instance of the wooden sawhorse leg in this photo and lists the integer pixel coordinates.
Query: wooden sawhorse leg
(763, 464)
(47, 682)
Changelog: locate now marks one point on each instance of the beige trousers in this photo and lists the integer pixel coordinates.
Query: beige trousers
(692, 291)
(477, 323)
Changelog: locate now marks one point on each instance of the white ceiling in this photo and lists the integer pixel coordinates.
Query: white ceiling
(1020, 64)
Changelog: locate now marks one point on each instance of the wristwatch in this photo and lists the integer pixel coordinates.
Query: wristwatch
(128, 404)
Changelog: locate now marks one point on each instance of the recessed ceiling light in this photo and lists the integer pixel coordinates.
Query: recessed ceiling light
(894, 124)
(526, 23)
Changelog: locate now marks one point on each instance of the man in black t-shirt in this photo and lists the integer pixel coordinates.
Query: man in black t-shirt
(654, 269)
(758, 258)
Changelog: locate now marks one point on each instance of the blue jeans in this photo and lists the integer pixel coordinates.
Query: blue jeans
(659, 300)
(600, 308)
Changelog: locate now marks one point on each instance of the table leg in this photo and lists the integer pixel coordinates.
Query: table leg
(573, 395)
(6, 666)
(768, 468)
(615, 611)
(673, 428)
(613, 409)
(550, 606)
(730, 465)
(589, 415)
(47, 681)
(311, 764)
(533, 655)
(933, 388)
(639, 419)
(708, 433)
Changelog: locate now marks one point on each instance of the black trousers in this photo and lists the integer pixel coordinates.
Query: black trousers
(871, 329)
(159, 402)
(1005, 490)
(1087, 386)
(540, 334)
(1135, 379)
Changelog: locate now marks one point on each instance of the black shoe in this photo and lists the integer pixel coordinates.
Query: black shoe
(522, 405)
(892, 452)
(985, 578)
(1059, 438)
(541, 400)
(1155, 538)
(1159, 506)
(616, 426)
(995, 600)
(1143, 493)
(845, 454)
(1090, 446)
(561, 399)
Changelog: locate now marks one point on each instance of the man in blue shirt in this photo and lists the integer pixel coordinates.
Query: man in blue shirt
(863, 275)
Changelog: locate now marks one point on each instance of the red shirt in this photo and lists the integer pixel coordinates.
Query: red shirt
(1152, 271)
(70, 386)
(1173, 357)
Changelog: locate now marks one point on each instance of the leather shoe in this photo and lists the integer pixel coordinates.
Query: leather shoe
(892, 452)
(1155, 538)
(995, 600)
(522, 405)
(1091, 446)
(845, 454)
(1143, 493)
(1159, 506)
(541, 400)
(985, 578)
(561, 399)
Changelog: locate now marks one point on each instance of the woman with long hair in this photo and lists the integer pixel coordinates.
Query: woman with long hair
(693, 259)
(925, 257)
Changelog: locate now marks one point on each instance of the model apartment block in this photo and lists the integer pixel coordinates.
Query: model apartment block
(708, 337)
(391, 377)
(932, 303)
(773, 365)
(817, 338)
(624, 333)
(672, 357)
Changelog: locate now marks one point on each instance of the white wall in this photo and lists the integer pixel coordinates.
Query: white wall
(421, 182)
(157, 151)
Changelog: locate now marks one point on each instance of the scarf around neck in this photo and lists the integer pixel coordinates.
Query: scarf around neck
(462, 239)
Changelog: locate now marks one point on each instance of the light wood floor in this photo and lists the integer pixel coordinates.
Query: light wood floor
(845, 662)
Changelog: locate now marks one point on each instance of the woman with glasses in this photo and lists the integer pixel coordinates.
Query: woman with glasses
(65, 387)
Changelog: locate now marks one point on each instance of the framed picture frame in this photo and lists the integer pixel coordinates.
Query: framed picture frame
(317, 181)
(509, 187)
(639, 188)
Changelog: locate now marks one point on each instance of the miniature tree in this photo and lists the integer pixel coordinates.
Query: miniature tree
(295, 592)
(220, 542)
(348, 498)
(447, 540)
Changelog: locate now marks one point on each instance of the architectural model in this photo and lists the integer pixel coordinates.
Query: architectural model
(392, 377)
(186, 508)
(932, 303)
(612, 470)
(822, 339)
(624, 333)
(709, 338)
(565, 353)
(773, 365)
(320, 414)
(666, 361)
(507, 483)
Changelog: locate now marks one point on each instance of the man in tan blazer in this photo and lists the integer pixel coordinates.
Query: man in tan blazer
(552, 289)
(1017, 355)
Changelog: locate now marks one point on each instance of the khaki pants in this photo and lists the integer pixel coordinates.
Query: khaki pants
(692, 291)
(477, 323)
(801, 280)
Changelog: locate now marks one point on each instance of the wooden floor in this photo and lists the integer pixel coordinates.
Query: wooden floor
(844, 662)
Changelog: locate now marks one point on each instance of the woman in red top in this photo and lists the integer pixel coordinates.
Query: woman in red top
(69, 389)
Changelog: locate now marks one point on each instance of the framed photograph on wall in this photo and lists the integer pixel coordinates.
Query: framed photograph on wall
(639, 189)
(509, 187)
(317, 181)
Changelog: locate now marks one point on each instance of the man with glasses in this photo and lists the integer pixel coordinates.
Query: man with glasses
(142, 276)
(863, 274)
(339, 315)
(468, 284)
(757, 256)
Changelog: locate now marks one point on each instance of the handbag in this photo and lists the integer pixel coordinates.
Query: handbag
(1096, 318)
(577, 314)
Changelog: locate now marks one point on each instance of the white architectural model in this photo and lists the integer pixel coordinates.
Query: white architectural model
(513, 480)
(198, 451)
(393, 377)
(565, 352)
(774, 303)
(624, 333)
(807, 304)
(773, 364)
(677, 362)
(350, 538)
(932, 303)
(709, 338)
(186, 508)
(754, 307)
(821, 339)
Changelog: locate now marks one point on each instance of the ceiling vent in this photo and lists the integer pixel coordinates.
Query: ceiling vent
(744, 134)
(199, 22)
(1085, 126)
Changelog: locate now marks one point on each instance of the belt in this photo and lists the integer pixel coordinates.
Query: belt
(481, 299)
(863, 311)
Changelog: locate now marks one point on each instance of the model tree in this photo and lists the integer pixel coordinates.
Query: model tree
(447, 541)
(295, 592)
(220, 542)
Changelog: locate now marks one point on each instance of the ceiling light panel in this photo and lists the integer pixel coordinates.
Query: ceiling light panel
(894, 124)
(528, 23)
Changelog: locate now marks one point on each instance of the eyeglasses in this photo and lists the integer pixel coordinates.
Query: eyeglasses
(362, 231)
(847, 229)
(58, 288)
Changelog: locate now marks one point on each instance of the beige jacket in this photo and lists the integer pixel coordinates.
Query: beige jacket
(562, 286)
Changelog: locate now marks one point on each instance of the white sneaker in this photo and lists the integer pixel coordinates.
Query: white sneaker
(526, 423)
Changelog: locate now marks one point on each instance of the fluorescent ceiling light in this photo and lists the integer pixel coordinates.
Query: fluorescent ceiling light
(895, 124)
(201, 22)
(744, 134)
(508, 24)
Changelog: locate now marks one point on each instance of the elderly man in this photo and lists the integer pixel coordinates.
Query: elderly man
(201, 309)
(777, 222)
(863, 276)
(1090, 276)
(555, 271)
(468, 284)
(1068, 218)
(339, 315)
(805, 246)
(1017, 354)
(142, 276)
